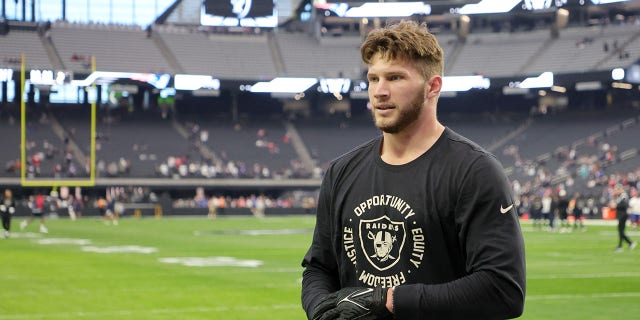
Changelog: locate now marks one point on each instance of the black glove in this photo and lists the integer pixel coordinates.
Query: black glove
(353, 303)
(327, 303)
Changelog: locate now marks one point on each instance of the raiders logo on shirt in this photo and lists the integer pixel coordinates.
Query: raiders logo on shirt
(393, 239)
(382, 241)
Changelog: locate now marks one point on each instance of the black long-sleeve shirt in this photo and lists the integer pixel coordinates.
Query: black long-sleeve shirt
(442, 229)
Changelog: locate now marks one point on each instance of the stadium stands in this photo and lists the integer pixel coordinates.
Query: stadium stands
(116, 48)
(174, 49)
(141, 144)
(328, 57)
(583, 49)
(10, 132)
(498, 54)
(17, 42)
(224, 56)
(326, 139)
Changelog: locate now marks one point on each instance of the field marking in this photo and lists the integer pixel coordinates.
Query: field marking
(84, 243)
(254, 232)
(129, 313)
(63, 241)
(212, 262)
(563, 263)
(25, 235)
(586, 276)
(608, 295)
(614, 233)
(120, 249)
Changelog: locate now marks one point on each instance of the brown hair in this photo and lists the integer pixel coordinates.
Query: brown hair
(407, 41)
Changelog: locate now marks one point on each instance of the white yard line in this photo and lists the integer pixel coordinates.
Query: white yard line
(608, 295)
(585, 276)
(146, 312)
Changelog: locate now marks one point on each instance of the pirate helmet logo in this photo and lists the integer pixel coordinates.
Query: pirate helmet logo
(382, 241)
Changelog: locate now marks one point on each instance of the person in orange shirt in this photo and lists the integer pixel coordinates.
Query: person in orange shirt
(102, 206)
(222, 203)
(106, 211)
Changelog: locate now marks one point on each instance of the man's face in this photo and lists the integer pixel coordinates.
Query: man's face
(383, 244)
(396, 93)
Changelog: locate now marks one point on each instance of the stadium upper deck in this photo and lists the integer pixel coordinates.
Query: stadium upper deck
(176, 49)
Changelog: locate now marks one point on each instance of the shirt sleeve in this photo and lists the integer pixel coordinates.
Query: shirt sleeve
(320, 276)
(490, 235)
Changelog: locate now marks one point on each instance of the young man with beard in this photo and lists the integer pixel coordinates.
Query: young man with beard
(420, 222)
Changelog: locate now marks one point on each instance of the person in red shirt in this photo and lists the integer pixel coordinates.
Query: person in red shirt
(37, 206)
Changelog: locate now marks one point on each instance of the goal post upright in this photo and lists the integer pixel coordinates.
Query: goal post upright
(92, 161)
(23, 124)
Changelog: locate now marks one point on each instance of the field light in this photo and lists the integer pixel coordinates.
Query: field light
(284, 85)
(617, 74)
(464, 83)
(622, 85)
(159, 81)
(376, 9)
(388, 9)
(607, 1)
(489, 6)
(588, 86)
(544, 80)
(195, 82)
(6, 75)
(334, 85)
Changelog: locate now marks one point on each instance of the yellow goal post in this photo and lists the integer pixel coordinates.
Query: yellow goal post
(52, 182)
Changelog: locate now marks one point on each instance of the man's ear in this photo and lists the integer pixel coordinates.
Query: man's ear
(434, 87)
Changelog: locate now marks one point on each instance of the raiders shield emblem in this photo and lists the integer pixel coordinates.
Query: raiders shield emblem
(382, 241)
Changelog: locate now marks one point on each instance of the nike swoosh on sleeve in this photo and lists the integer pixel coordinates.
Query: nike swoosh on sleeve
(505, 210)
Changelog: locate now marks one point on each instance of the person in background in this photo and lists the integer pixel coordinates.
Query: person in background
(7, 209)
(620, 202)
(212, 204)
(577, 209)
(562, 210)
(420, 222)
(548, 208)
(536, 211)
(78, 205)
(37, 205)
(634, 208)
(111, 215)
(71, 209)
(101, 203)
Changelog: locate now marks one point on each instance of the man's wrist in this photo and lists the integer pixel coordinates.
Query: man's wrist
(389, 303)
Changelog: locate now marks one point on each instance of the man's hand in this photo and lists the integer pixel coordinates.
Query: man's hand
(327, 303)
(353, 303)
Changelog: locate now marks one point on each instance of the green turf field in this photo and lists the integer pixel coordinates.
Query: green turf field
(140, 270)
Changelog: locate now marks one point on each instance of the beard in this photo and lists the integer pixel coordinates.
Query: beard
(406, 116)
